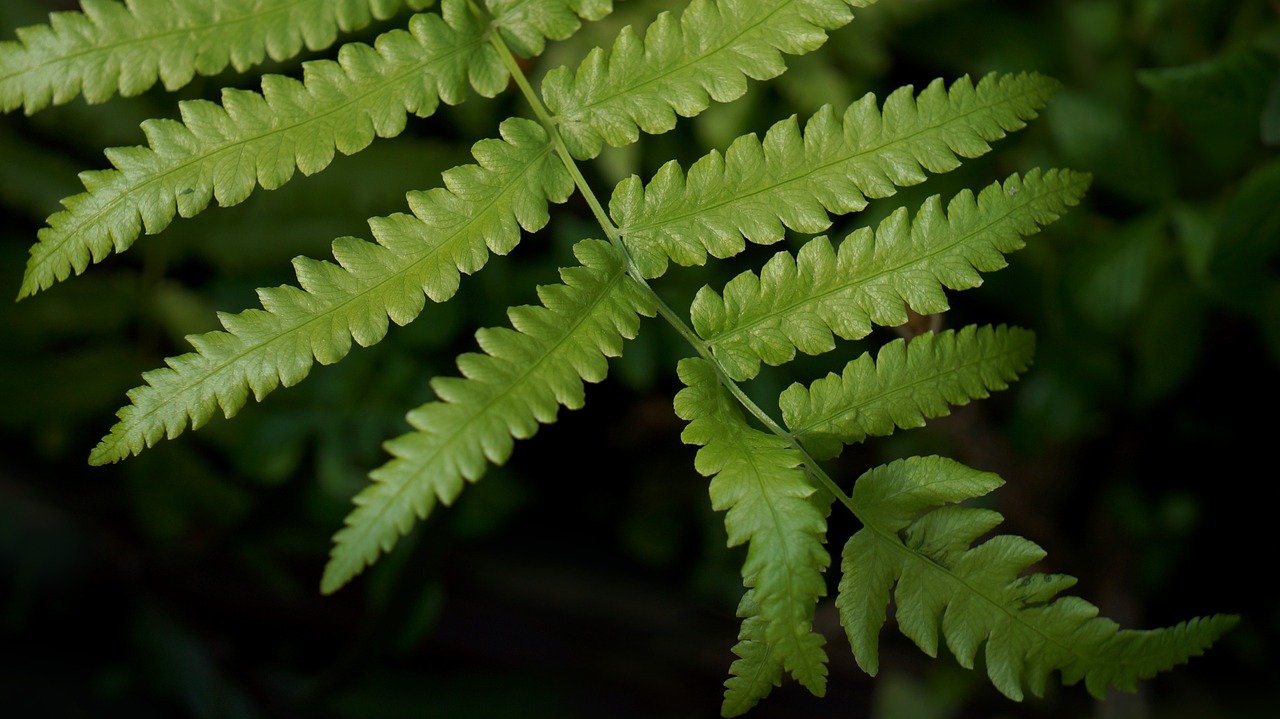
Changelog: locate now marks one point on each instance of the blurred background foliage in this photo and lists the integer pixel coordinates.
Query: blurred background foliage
(588, 577)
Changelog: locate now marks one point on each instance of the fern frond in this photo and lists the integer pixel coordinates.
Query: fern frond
(976, 594)
(794, 179)
(682, 65)
(453, 230)
(759, 481)
(524, 376)
(225, 151)
(904, 385)
(799, 303)
(111, 47)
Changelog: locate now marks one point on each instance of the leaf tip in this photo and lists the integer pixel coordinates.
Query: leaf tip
(334, 578)
(106, 452)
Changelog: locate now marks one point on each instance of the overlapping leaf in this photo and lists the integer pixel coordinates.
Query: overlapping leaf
(522, 378)
(978, 595)
(904, 385)
(682, 65)
(794, 179)
(759, 482)
(111, 47)
(225, 151)
(453, 230)
(526, 25)
(801, 302)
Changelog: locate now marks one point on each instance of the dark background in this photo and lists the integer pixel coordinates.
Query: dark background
(588, 577)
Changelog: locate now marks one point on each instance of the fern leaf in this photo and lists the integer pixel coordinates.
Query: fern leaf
(801, 302)
(794, 179)
(524, 376)
(904, 385)
(682, 65)
(526, 25)
(223, 151)
(112, 47)
(757, 670)
(976, 594)
(481, 210)
(759, 481)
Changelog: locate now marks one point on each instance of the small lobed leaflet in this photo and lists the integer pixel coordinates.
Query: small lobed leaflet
(976, 597)
(907, 383)
(757, 669)
(526, 25)
(759, 481)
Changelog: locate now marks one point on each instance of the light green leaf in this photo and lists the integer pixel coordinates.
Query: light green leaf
(906, 384)
(111, 47)
(521, 380)
(680, 66)
(226, 151)
(770, 504)
(801, 302)
(453, 230)
(758, 669)
(526, 25)
(794, 179)
(977, 596)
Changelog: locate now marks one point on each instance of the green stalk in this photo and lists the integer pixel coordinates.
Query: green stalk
(615, 238)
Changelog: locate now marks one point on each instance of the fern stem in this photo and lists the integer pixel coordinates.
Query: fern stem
(549, 124)
(810, 464)
(614, 235)
(611, 231)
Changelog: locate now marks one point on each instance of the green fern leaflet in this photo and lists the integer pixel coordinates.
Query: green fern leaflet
(419, 256)
(801, 302)
(523, 377)
(905, 385)
(759, 481)
(913, 537)
(224, 151)
(111, 48)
